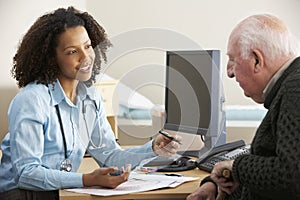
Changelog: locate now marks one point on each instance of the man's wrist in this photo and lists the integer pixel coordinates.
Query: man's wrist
(208, 179)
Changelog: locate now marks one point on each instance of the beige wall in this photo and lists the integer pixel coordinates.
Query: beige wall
(207, 23)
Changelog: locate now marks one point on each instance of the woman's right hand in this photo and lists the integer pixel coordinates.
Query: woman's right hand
(103, 177)
(207, 191)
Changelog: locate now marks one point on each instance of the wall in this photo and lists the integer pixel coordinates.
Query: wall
(183, 24)
(207, 23)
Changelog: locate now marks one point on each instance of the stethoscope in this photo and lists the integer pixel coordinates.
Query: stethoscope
(66, 165)
(84, 112)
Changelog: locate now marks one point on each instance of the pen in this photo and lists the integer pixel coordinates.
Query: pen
(167, 135)
(178, 175)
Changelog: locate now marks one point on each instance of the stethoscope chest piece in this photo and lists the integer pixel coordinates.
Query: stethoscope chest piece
(66, 165)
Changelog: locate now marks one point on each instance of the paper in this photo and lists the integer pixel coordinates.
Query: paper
(137, 182)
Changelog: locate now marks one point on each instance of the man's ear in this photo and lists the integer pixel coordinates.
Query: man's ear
(258, 60)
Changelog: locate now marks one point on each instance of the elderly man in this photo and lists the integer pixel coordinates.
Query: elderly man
(263, 59)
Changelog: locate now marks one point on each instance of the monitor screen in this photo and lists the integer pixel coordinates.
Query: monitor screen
(194, 94)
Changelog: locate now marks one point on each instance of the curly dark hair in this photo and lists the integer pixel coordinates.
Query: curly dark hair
(35, 59)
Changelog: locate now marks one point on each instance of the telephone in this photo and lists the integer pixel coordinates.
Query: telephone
(223, 152)
(172, 164)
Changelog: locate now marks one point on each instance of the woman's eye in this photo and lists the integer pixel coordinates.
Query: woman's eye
(72, 52)
(88, 46)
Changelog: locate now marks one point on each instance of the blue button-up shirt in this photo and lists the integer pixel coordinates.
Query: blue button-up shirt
(34, 149)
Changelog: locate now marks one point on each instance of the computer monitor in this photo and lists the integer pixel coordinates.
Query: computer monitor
(194, 95)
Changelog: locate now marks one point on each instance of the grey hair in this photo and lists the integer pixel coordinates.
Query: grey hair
(267, 33)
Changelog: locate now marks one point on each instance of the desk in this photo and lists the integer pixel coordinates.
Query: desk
(179, 192)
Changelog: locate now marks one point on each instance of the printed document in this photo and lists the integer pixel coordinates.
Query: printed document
(137, 182)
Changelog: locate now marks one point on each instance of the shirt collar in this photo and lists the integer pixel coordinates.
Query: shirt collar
(276, 76)
(58, 94)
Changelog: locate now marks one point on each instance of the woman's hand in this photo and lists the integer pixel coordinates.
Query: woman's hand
(103, 177)
(227, 185)
(164, 146)
(207, 191)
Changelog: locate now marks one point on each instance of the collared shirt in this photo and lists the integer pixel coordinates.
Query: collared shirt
(276, 76)
(33, 149)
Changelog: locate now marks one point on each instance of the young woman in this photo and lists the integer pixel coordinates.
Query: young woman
(58, 115)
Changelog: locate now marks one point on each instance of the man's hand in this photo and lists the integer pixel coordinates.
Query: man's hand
(207, 191)
(164, 146)
(224, 184)
(103, 177)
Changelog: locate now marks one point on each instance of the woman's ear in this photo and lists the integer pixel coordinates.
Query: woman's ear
(258, 60)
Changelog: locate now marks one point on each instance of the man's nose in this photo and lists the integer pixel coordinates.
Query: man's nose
(230, 72)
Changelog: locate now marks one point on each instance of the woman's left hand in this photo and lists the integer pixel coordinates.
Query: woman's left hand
(164, 146)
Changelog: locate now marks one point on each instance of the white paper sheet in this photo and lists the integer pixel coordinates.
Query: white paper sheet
(137, 183)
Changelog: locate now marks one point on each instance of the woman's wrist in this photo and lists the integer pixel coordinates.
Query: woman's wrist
(87, 180)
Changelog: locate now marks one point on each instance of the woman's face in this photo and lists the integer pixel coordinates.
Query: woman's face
(75, 55)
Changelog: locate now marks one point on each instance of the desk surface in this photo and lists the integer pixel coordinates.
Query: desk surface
(181, 191)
